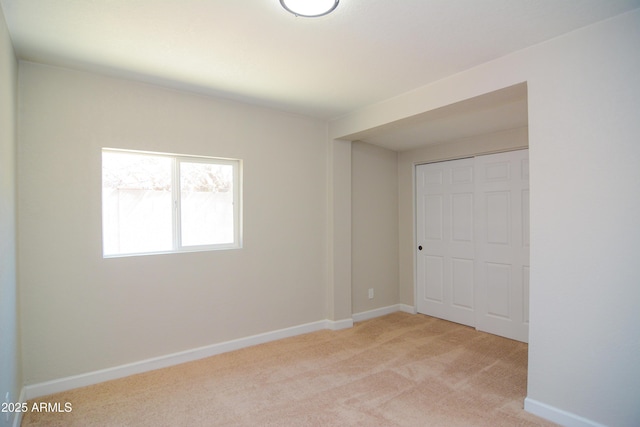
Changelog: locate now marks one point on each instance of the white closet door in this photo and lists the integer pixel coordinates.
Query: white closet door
(502, 246)
(445, 240)
(472, 224)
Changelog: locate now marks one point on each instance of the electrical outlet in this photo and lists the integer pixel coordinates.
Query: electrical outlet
(370, 293)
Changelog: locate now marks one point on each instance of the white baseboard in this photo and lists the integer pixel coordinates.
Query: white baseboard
(408, 308)
(336, 325)
(383, 311)
(55, 386)
(556, 415)
(371, 314)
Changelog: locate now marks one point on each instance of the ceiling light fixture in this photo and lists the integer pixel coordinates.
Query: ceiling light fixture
(310, 8)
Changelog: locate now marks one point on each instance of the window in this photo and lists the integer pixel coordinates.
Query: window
(158, 203)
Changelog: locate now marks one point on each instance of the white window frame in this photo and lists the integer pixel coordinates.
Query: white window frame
(176, 160)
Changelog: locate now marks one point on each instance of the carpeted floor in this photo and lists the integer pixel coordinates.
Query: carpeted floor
(396, 370)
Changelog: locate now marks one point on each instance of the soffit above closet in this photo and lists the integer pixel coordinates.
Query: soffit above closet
(486, 114)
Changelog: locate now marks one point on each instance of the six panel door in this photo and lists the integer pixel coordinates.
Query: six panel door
(502, 257)
(446, 246)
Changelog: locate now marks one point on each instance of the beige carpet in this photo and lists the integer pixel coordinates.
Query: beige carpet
(396, 370)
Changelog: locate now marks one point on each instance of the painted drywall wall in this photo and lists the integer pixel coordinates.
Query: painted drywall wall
(339, 231)
(407, 160)
(80, 312)
(10, 360)
(583, 102)
(374, 231)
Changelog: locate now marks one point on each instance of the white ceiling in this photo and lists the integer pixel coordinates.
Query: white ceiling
(366, 51)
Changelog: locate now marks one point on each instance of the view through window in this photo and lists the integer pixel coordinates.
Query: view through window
(156, 203)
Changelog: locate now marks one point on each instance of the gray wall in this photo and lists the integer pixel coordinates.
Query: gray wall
(374, 230)
(10, 363)
(80, 312)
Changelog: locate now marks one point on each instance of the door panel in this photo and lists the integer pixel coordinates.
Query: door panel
(462, 276)
(498, 281)
(445, 230)
(498, 217)
(462, 217)
(434, 279)
(502, 220)
(432, 205)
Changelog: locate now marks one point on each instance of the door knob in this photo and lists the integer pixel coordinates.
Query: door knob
(420, 247)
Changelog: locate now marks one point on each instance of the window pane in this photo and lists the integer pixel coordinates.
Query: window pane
(136, 203)
(206, 193)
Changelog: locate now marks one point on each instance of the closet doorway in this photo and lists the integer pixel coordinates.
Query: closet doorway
(472, 242)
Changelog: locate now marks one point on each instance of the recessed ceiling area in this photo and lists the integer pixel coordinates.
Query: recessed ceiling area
(493, 112)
